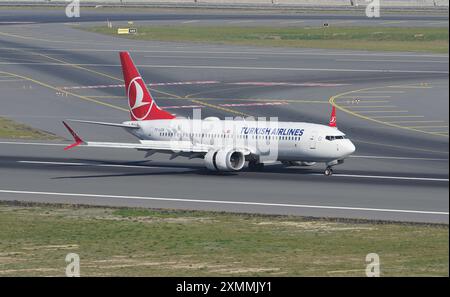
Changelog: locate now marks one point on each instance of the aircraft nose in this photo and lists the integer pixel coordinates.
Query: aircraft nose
(350, 148)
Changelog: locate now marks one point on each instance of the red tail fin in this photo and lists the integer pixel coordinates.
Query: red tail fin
(332, 122)
(142, 106)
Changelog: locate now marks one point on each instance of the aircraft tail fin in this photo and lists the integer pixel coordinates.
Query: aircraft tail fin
(142, 105)
(332, 122)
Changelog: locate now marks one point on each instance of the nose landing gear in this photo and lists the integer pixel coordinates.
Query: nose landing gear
(328, 171)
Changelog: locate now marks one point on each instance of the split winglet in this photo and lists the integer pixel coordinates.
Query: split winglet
(76, 138)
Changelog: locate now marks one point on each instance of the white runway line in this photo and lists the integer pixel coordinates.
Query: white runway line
(350, 208)
(202, 57)
(276, 53)
(292, 22)
(237, 68)
(388, 177)
(33, 143)
(397, 158)
(16, 23)
(390, 61)
(241, 22)
(164, 167)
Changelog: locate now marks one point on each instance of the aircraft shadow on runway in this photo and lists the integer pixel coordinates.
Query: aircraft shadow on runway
(164, 169)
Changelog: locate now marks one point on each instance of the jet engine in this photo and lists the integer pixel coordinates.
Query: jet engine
(224, 160)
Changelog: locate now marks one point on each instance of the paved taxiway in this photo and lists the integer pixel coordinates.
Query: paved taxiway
(433, 18)
(394, 105)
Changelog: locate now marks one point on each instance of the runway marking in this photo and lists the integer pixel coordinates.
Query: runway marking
(342, 22)
(311, 174)
(206, 82)
(79, 65)
(365, 96)
(406, 122)
(390, 61)
(410, 87)
(277, 53)
(240, 22)
(419, 127)
(162, 92)
(354, 102)
(69, 93)
(398, 116)
(379, 111)
(382, 91)
(438, 23)
(219, 107)
(392, 22)
(182, 106)
(254, 104)
(271, 84)
(16, 23)
(11, 80)
(190, 22)
(292, 22)
(203, 57)
(390, 177)
(33, 143)
(209, 201)
(41, 39)
(368, 106)
(358, 114)
(264, 100)
(398, 158)
(115, 78)
(179, 83)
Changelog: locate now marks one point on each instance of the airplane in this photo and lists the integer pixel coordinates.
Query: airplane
(225, 145)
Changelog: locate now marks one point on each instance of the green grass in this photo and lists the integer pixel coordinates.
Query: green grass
(12, 130)
(357, 38)
(34, 240)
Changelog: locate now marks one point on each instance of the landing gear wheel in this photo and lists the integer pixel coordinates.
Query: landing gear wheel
(328, 171)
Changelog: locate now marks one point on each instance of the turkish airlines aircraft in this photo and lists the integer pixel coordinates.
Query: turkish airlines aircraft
(225, 145)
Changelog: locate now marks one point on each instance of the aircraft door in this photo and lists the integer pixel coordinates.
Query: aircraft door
(313, 140)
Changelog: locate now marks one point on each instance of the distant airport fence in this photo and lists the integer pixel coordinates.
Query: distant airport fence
(306, 3)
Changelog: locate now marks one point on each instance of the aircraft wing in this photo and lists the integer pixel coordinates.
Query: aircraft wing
(149, 145)
(173, 146)
(105, 124)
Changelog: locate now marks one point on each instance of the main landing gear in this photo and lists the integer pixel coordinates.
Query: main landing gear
(254, 165)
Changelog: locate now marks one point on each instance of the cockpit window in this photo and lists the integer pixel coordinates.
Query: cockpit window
(331, 138)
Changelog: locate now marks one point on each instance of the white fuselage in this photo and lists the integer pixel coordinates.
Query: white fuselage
(277, 141)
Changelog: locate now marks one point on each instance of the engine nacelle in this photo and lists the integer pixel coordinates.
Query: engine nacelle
(224, 160)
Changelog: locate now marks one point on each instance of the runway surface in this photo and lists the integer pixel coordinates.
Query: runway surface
(393, 105)
(434, 18)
